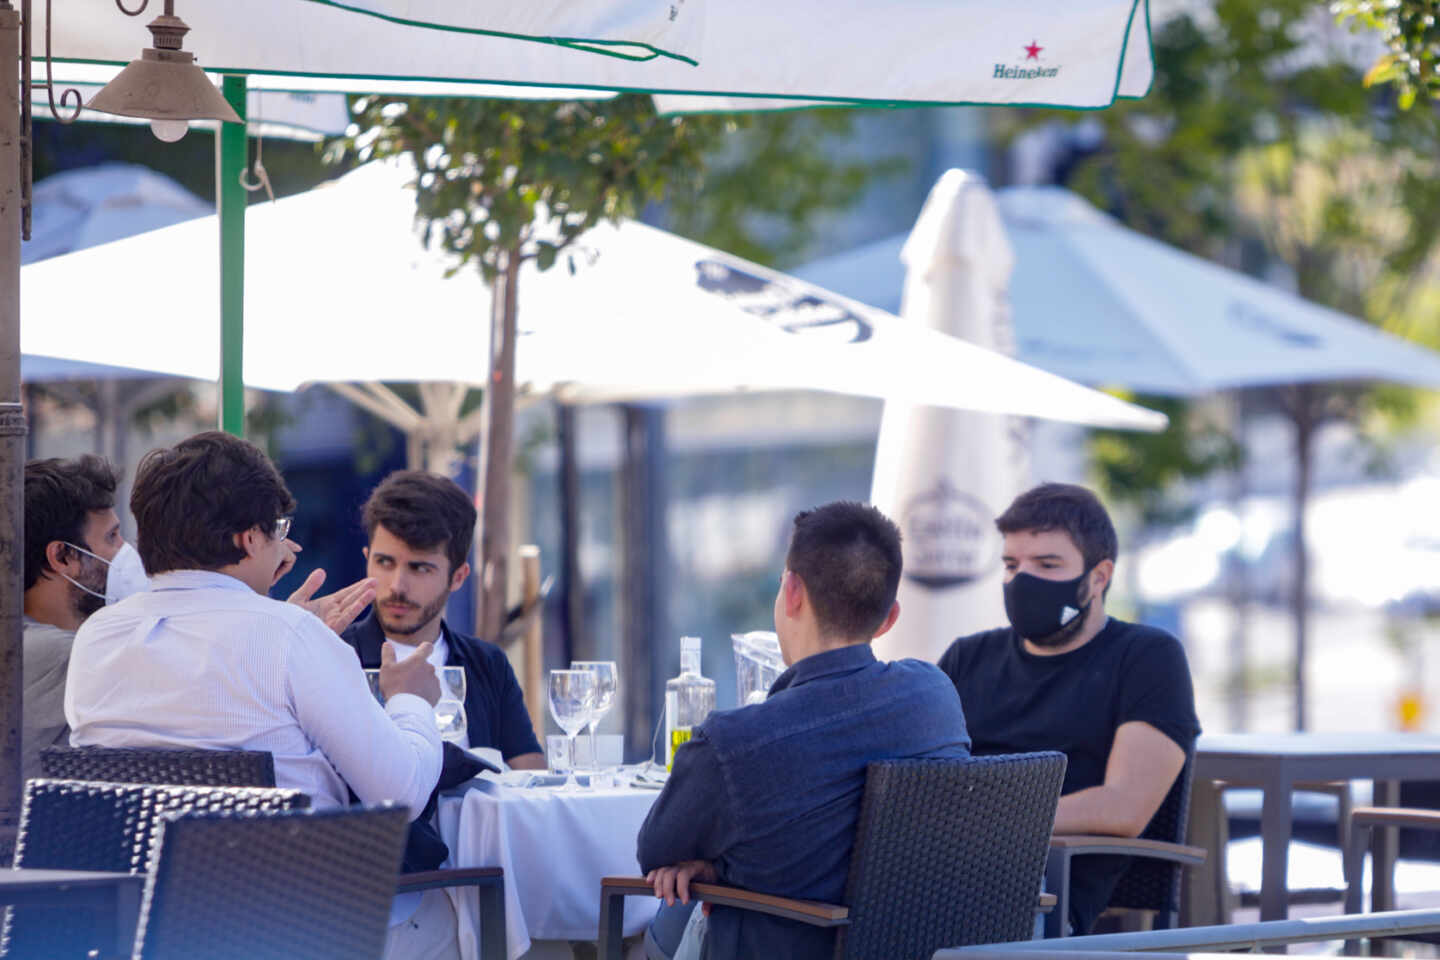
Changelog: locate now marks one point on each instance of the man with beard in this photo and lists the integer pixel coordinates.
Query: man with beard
(71, 535)
(1115, 697)
(421, 526)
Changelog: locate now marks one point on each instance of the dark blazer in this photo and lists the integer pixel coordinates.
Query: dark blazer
(494, 704)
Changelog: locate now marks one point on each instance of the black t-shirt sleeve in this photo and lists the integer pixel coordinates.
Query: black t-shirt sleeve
(1156, 689)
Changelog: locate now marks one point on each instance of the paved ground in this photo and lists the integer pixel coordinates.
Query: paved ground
(1313, 867)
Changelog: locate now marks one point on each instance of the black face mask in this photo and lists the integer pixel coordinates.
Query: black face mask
(1045, 612)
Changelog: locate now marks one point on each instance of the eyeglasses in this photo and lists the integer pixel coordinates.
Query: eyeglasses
(282, 528)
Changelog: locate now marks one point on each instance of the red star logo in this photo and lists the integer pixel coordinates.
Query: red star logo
(1032, 52)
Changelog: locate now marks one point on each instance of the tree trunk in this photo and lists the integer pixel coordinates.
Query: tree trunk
(572, 610)
(1237, 586)
(498, 452)
(1304, 421)
(644, 630)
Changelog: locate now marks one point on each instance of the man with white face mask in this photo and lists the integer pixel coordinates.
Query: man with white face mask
(72, 535)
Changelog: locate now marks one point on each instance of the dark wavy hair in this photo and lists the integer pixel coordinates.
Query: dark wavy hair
(426, 511)
(191, 499)
(1068, 508)
(848, 556)
(59, 497)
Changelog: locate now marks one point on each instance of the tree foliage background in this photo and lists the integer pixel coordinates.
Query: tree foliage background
(1411, 30)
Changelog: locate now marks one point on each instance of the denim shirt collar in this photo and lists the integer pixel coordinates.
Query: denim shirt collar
(847, 659)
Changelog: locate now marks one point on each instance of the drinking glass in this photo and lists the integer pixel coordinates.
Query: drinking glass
(450, 717)
(606, 687)
(572, 698)
(372, 677)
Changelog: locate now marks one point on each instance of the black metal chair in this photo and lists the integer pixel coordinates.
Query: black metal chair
(78, 825)
(947, 853)
(1159, 855)
(316, 885)
(257, 768)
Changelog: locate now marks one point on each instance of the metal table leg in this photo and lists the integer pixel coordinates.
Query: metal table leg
(1276, 828)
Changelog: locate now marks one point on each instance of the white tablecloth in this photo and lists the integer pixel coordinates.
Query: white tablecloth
(554, 848)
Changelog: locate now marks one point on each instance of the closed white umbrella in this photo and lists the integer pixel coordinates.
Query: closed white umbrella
(339, 289)
(944, 475)
(1075, 53)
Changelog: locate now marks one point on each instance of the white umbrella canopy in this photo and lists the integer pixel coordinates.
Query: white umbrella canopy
(284, 115)
(1102, 304)
(1073, 53)
(298, 100)
(339, 289)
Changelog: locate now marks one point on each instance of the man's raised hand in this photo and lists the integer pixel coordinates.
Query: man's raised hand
(414, 674)
(339, 609)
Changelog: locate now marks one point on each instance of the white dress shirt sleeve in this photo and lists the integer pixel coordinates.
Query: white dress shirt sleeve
(383, 754)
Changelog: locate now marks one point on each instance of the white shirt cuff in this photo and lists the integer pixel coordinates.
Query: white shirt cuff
(407, 703)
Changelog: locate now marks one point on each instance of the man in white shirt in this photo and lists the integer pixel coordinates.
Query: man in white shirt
(71, 536)
(206, 659)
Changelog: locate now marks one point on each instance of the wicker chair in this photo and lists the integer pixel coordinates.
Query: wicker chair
(1152, 881)
(252, 768)
(316, 885)
(206, 768)
(947, 853)
(73, 825)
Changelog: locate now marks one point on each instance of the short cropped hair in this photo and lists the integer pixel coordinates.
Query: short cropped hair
(191, 499)
(848, 556)
(59, 497)
(425, 510)
(1068, 508)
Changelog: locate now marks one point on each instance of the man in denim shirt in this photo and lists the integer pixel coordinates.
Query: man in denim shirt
(767, 797)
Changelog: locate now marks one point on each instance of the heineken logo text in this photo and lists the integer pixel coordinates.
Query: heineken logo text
(1003, 72)
(1032, 52)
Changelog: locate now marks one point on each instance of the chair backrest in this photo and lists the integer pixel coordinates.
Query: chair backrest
(949, 853)
(215, 768)
(312, 885)
(82, 825)
(79, 825)
(1155, 884)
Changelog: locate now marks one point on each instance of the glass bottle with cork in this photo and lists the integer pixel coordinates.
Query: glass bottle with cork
(689, 698)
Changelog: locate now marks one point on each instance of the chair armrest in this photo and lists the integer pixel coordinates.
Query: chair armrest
(1395, 817)
(810, 912)
(432, 879)
(1129, 846)
(1046, 904)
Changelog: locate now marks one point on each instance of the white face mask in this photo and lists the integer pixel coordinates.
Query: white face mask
(127, 575)
(93, 599)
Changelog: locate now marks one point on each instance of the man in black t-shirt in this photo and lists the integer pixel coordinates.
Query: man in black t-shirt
(1115, 697)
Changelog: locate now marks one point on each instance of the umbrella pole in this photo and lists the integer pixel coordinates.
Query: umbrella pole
(232, 153)
(12, 428)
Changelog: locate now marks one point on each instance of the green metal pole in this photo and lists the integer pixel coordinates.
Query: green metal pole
(232, 155)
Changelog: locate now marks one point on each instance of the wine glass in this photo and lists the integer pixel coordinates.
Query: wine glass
(572, 698)
(372, 677)
(450, 717)
(606, 687)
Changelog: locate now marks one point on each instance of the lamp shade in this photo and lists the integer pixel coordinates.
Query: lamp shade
(163, 85)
